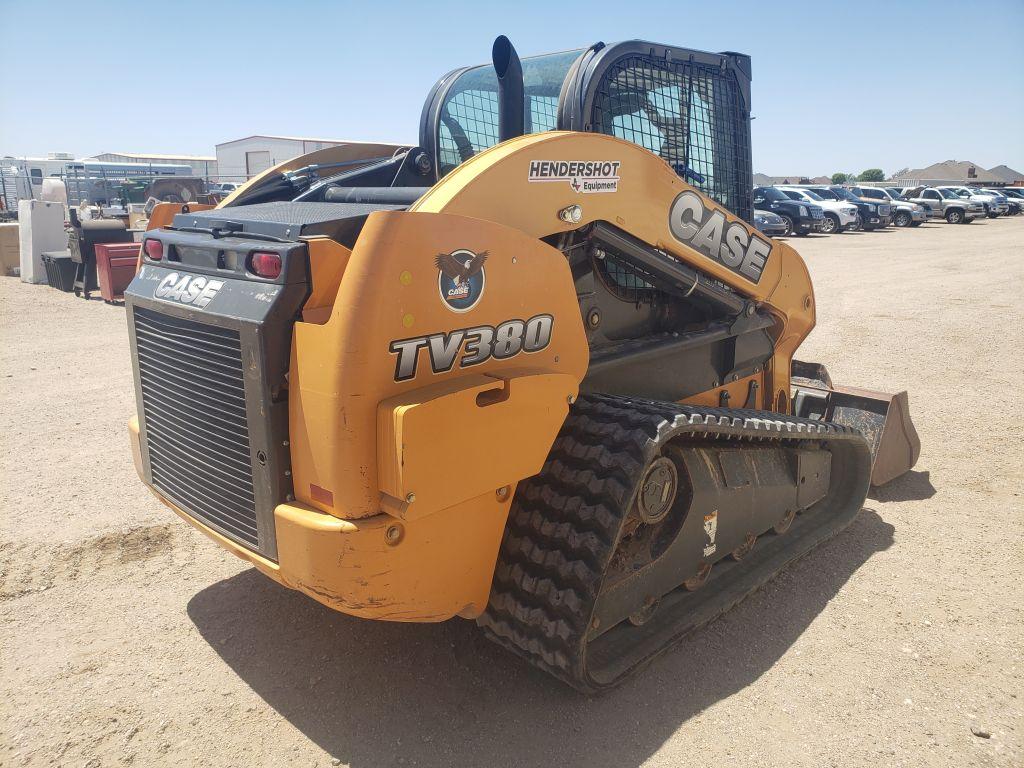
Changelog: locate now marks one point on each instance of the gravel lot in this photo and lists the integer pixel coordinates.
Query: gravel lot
(128, 638)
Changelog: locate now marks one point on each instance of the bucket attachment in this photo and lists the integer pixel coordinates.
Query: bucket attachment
(883, 418)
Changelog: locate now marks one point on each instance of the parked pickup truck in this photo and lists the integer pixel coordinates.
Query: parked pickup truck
(1015, 197)
(872, 215)
(801, 218)
(952, 207)
(1000, 198)
(904, 212)
(993, 207)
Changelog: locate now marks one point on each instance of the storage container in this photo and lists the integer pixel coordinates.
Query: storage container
(115, 268)
(10, 259)
(60, 270)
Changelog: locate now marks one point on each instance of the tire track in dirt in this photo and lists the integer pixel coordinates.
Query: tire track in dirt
(29, 568)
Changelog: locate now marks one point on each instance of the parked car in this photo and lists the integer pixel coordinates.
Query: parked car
(225, 187)
(952, 207)
(800, 218)
(907, 194)
(839, 216)
(770, 223)
(1001, 197)
(993, 208)
(871, 214)
(1015, 197)
(904, 212)
(883, 211)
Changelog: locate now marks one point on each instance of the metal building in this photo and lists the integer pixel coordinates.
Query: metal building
(241, 159)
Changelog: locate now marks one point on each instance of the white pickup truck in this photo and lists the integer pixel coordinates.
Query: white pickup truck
(839, 216)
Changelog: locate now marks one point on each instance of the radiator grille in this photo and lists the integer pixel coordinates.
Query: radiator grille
(197, 434)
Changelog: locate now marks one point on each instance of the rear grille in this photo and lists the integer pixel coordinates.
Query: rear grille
(196, 431)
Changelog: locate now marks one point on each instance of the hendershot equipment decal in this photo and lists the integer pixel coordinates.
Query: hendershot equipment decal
(705, 230)
(482, 342)
(195, 290)
(584, 176)
(460, 278)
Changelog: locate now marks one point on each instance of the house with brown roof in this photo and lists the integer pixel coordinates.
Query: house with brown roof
(957, 172)
(1007, 174)
(763, 180)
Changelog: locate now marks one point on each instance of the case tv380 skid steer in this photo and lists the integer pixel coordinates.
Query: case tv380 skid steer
(536, 371)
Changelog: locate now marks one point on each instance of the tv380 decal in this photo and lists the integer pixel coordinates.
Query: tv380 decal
(477, 345)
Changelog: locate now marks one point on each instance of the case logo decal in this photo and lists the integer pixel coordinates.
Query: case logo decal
(705, 230)
(584, 176)
(477, 345)
(195, 290)
(461, 278)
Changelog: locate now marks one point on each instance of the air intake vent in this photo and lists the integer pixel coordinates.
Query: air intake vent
(196, 430)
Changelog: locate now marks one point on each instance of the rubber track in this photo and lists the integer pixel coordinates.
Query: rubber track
(564, 522)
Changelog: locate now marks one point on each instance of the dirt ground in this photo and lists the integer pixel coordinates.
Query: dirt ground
(128, 638)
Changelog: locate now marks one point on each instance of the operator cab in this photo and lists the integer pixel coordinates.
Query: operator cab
(691, 108)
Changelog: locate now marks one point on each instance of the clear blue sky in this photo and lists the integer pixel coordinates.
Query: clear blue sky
(837, 85)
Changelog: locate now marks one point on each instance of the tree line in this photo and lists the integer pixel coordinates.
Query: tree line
(871, 174)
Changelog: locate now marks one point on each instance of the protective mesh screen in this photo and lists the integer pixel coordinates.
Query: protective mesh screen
(690, 114)
(469, 123)
(624, 279)
(469, 114)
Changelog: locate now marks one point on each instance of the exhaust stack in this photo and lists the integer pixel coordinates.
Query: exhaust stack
(510, 88)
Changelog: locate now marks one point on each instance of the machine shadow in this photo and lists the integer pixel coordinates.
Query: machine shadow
(910, 486)
(376, 694)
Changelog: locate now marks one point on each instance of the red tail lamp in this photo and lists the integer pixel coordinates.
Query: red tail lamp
(265, 264)
(154, 249)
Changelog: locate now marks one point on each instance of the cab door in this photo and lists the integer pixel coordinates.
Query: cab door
(931, 199)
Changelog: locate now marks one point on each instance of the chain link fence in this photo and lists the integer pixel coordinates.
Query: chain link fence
(108, 187)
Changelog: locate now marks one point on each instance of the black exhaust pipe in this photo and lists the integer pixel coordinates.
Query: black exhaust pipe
(510, 88)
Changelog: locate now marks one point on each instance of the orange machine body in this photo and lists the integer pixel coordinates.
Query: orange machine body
(411, 420)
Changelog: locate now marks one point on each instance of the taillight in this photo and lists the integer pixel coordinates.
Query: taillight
(154, 249)
(265, 264)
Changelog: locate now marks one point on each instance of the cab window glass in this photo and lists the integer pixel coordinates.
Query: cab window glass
(469, 115)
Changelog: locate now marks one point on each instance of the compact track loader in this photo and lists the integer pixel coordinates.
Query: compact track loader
(536, 371)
